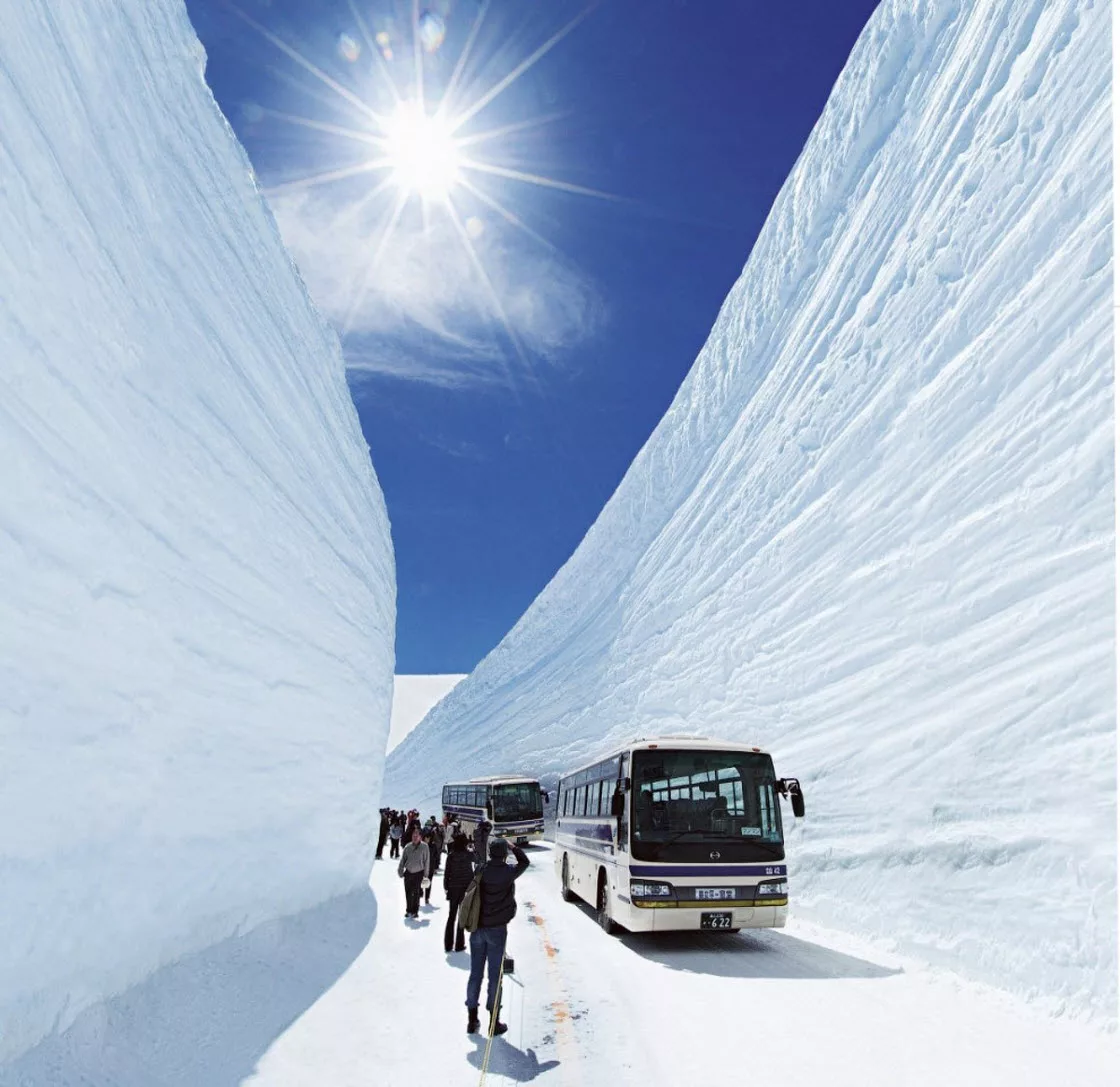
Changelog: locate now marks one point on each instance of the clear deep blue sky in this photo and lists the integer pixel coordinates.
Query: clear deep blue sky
(495, 454)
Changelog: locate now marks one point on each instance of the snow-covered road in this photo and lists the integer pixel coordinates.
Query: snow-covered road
(800, 1007)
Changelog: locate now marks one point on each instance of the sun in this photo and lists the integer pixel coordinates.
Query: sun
(422, 152)
(426, 146)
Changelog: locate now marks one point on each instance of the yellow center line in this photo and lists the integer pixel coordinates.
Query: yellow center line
(567, 1050)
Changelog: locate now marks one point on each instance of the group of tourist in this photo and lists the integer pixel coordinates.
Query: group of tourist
(420, 861)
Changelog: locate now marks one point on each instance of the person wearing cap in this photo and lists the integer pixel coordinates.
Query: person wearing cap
(497, 906)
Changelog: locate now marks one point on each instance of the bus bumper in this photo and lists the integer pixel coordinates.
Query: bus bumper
(687, 919)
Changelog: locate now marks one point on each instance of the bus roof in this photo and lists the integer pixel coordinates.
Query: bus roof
(512, 779)
(678, 743)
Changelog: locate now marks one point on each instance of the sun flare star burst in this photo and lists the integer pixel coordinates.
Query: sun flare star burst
(423, 146)
(422, 152)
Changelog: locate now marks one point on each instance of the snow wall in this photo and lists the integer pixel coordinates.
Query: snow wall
(874, 531)
(197, 591)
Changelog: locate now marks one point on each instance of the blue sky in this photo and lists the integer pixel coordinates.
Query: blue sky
(510, 352)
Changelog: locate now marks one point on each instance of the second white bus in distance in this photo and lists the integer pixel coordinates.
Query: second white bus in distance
(512, 805)
(677, 833)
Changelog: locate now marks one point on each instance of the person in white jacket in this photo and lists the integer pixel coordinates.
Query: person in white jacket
(413, 868)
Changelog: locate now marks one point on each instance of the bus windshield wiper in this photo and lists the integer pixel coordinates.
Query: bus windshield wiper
(681, 833)
(773, 848)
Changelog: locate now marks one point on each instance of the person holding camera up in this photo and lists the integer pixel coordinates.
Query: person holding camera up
(488, 941)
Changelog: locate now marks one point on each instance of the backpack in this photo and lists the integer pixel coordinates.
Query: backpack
(470, 912)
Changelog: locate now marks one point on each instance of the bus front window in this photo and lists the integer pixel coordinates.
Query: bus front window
(688, 805)
(517, 802)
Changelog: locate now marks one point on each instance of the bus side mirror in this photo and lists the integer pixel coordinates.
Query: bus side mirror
(618, 805)
(791, 787)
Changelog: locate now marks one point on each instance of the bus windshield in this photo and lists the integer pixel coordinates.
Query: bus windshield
(517, 802)
(688, 805)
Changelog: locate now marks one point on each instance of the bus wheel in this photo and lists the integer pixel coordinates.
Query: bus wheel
(566, 892)
(604, 907)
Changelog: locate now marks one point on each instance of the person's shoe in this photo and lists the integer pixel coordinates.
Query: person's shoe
(499, 1028)
(472, 1020)
(460, 947)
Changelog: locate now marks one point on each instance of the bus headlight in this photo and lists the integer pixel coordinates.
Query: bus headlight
(774, 887)
(645, 889)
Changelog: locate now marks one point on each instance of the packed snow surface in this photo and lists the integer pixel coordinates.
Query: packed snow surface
(874, 531)
(584, 1010)
(196, 578)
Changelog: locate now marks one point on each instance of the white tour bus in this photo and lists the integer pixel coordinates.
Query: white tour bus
(677, 833)
(511, 804)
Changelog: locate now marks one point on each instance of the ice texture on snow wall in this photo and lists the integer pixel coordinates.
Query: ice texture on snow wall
(196, 578)
(874, 531)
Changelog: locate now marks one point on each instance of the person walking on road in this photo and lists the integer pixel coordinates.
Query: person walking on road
(488, 942)
(438, 840)
(382, 832)
(413, 868)
(426, 885)
(457, 877)
(396, 832)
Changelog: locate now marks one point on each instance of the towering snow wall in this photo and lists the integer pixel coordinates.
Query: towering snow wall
(874, 531)
(196, 578)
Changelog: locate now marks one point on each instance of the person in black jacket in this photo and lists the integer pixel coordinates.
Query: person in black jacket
(457, 878)
(382, 832)
(488, 941)
(482, 842)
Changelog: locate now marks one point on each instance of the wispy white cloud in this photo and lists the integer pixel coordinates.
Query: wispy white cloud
(418, 306)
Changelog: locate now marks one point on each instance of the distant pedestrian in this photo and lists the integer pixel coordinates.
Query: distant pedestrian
(457, 876)
(437, 847)
(488, 942)
(412, 868)
(426, 884)
(382, 832)
(395, 835)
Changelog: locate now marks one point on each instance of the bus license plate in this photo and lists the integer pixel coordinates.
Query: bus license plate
(715, 920)
(715, 893)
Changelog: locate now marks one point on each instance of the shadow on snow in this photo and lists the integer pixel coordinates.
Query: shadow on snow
(507, 1060)
(210, 1017)
(758, 953)
(752, 953)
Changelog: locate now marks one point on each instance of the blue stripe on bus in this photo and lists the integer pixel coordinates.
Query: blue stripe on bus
(639, 870)
(456, 809)
(585, 845)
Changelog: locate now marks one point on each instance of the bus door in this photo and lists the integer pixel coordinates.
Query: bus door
(620, 806)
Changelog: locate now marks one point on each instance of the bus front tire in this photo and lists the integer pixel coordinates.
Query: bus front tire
(566, 892)
(604, 907)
